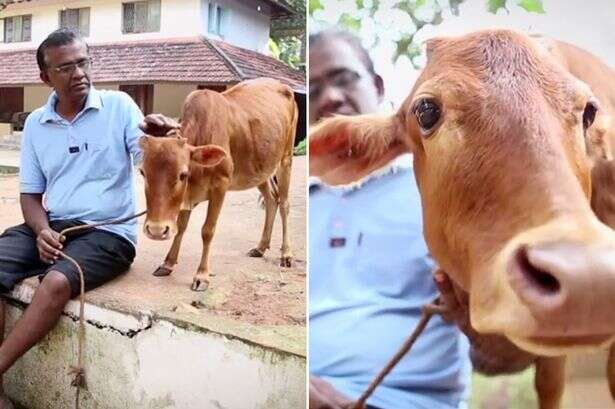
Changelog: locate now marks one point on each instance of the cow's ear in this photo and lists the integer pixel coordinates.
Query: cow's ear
(208, 155)
(344, 149)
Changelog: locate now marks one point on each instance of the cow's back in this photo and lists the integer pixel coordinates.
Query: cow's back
(254, 121)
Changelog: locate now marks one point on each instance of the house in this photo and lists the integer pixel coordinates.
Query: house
(157, 51)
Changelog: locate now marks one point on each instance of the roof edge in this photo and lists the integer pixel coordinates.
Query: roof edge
(222, 54)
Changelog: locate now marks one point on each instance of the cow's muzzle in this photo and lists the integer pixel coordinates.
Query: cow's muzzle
(158, 231)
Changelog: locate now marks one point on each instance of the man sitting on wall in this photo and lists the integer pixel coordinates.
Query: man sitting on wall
(77, 158)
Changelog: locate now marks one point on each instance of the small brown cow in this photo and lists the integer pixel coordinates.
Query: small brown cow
(498, 124)
(234, 140)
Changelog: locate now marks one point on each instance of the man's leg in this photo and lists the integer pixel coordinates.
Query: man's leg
(39, 318)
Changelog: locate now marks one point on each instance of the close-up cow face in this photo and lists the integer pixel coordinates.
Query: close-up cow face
(497, 129)
(166, 169)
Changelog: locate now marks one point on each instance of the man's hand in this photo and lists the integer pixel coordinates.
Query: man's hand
(49, 245)
(490, 354)
(158, 125)
(324, 396)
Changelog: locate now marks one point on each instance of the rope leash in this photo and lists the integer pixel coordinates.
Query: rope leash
(78, 371)
(427, 312)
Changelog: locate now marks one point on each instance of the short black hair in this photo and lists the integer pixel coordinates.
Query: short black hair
(352, 40)
(58, 38)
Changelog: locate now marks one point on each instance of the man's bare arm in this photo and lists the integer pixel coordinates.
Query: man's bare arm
(35, 216)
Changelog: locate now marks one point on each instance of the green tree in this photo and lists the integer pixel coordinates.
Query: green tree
(288, 39)
(420, 12)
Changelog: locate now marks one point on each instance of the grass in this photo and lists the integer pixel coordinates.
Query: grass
(301, 148)
(8, 170)
(504, 391)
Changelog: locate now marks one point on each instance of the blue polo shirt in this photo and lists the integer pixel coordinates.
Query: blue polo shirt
(85, 166)
(370, 274)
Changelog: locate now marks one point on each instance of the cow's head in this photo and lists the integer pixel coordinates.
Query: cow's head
(167, 167)
(497, 132)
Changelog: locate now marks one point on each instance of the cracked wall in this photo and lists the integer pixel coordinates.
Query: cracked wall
(154, 365)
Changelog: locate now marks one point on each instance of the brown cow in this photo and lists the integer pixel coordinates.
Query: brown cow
(234, 140)
(497, 124)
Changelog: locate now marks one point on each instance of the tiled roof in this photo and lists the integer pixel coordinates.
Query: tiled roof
(193, 60)
(252, 64)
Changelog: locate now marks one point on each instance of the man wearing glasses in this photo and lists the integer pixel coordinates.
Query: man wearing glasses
(77, 158)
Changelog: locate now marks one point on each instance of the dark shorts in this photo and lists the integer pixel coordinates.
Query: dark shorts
(102, 256)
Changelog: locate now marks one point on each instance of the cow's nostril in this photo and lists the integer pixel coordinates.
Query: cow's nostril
(166, 230)
(540, 279)
(147, 229)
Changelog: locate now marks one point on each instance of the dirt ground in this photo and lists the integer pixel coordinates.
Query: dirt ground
(255, 291)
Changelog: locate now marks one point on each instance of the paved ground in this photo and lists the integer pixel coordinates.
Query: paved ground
(250, 298)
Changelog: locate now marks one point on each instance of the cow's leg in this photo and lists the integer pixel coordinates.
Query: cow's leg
(171, 259)
(201, 277)
(271, 207)
(283, 175)
(549, 381)
(610, 370)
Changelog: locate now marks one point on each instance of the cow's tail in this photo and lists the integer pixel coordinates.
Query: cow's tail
(273, 188)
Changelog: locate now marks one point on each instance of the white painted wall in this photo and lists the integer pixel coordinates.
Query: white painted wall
(245, 26)
(178, 18)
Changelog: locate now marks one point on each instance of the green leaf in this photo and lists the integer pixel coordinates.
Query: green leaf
(315, 5)
(360, 4)
(349, 22)
(493, 6)
(533, 6)
(274, 49)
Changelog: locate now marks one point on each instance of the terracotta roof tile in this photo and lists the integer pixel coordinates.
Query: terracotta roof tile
(194, 60)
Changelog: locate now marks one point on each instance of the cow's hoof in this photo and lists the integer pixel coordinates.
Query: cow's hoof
(199, 285)
(255, 252)
(162, 271)
(286, 261)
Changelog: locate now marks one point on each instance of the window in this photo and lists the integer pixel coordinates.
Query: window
(216, 16)
(141, 16)
(78, 19)
(17, 29)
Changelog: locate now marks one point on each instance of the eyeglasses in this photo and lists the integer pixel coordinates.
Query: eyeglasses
(68, 69)
(343, 79)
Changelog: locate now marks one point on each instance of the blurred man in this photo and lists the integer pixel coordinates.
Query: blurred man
(370, 271)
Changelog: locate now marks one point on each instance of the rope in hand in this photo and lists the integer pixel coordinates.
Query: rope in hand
(428, 311)
(78, 370)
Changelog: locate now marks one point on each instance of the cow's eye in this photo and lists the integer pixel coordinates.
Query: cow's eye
(183, 176)
(427, 114)
(589, 114)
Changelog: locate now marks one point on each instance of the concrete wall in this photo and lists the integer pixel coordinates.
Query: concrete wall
(245, 27)
(168, 98)
(143, 363)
